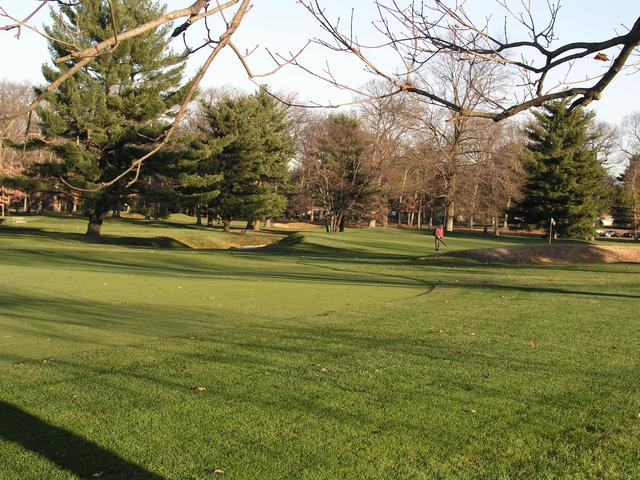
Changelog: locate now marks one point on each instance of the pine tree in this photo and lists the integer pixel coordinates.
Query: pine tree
(565, 180)
(342, 181)
(247, 143)
(111, 111)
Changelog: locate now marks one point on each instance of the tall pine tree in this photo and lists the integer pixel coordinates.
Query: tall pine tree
(565, 180)
(111, 111)
(249, 144)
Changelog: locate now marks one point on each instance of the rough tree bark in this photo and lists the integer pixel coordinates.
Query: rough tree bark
(451, 210)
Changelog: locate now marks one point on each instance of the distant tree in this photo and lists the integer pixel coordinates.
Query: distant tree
(247, 142)
(13, 162)
(565, 180)
(113, 109)
(630, 191)
(341, 180)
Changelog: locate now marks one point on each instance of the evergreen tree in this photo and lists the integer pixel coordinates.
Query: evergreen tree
(342, 181)
(565, 179)
(111, 111)
(248, 143)
(197, 177)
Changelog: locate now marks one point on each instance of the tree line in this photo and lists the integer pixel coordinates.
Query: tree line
(235, 156)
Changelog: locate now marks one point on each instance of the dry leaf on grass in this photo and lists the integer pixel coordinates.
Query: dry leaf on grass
(200, 389)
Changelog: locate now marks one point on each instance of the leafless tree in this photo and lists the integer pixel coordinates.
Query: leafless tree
(631, 190)
(419, 33)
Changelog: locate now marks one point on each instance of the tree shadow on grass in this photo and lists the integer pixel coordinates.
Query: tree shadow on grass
(67, 450)
(119, 240)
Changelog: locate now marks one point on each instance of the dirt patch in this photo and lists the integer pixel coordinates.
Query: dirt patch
(553, 254)
(295, 225)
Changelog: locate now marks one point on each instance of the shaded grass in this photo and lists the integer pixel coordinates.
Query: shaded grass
(178, 232)
(322, 357)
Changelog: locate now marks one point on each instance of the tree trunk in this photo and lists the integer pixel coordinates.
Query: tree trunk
(420, 216)
(451, 211)
(55, 204)
(251, 224)
(198, 217)
(226, 225)
(334, 223)
(267, 223)
(210, 220)
(95, 224)
(496, 226)
(372, 223)
(430, 217)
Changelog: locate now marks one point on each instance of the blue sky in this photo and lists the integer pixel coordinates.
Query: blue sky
(283, 25)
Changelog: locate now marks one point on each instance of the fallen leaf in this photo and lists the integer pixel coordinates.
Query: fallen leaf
(534, 344)
(191, 338)
(200, 389)
(218, 471)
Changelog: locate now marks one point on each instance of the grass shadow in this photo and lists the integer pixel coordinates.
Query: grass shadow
(67, 450)
(118, 240)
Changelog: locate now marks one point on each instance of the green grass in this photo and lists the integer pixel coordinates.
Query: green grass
(324, 356)
(179, 232)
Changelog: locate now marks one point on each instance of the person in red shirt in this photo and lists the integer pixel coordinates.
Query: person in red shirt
(438, 233)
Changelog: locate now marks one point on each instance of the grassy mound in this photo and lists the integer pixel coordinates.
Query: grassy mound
(177, 232)
(577, 253)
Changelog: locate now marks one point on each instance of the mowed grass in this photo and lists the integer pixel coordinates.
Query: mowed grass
(178, 232)
(350, 356)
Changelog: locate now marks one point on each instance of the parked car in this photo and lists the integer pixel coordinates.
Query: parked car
(628, 234)
(613, 233)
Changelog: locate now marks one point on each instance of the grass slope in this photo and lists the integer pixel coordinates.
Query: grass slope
(324, 356)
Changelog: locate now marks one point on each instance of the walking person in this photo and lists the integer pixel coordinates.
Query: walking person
(438, 233)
